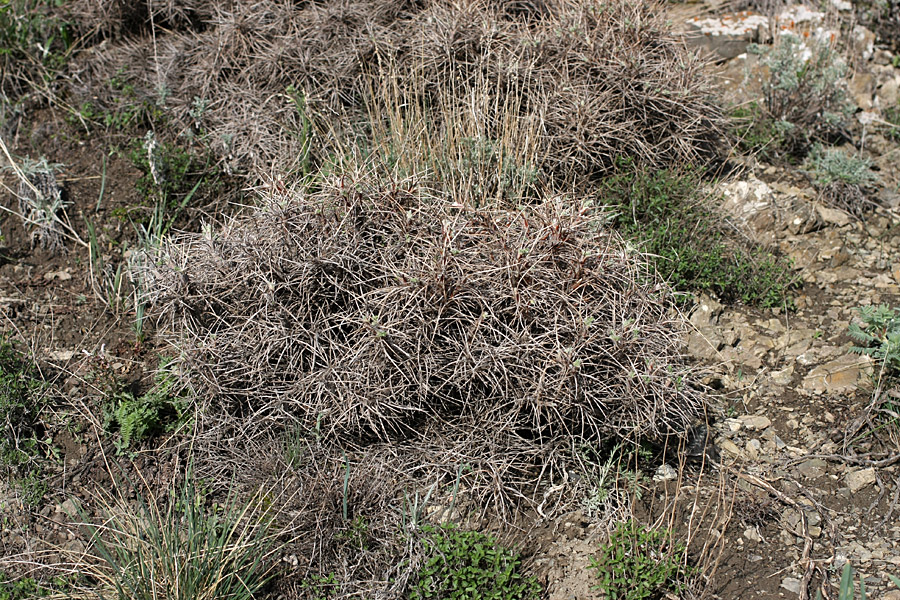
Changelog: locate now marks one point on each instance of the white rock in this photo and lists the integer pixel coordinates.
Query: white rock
(757, 422)
(857, 480)
(62, 355)
(665, 473)
(791, 584)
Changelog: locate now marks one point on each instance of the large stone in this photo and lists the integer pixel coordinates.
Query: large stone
(757, 422)
(726, 36)
(857, 480)
(833, 216)
(839, 375)
(812, 468)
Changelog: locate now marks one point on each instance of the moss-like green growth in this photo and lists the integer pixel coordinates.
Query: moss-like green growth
(664, 214)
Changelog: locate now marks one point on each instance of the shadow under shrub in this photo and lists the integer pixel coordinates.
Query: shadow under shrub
(377, 313)
(664, 214)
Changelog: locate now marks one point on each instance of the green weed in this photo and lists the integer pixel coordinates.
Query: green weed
(28, 587)
(468, 565)
(638, 563)
(21, 403)
(662, 212)
(137, 418)
(321, 587)
(34, 42)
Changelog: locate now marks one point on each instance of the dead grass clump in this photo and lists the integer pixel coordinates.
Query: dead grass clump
(607, 78)
(379, 314)
(604, 78)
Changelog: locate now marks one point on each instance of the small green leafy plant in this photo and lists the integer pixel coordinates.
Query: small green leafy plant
(878, 336)
(663, 213)
(468, 565)
(24, 589)
(136, 418)
(34, 43)
(639, 563)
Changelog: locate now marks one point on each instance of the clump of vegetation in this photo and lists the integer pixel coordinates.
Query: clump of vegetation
(41, 202)
(664, 214)
(805, 97)
(176, 546)
(878, 336)
(472, 566)
(137, 418)
(601, 78)
(28, 587)
(892, 117)
(842, 178)
(34, 44)
(22, 401)
(639, 563)
(328, 306)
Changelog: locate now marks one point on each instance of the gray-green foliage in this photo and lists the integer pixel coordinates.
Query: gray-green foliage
(639, 562)
(835, 165)
(806, 97)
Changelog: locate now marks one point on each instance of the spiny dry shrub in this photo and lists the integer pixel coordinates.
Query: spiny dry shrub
(111, 19)
(381, 314)
(602, 78)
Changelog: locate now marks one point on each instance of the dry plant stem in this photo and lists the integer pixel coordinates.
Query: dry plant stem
(809, 564)
(595, 81)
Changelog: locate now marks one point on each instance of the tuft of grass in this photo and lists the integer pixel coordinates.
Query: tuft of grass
(177, 546)
(664, 214)
(472, 566)
(640, 562)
